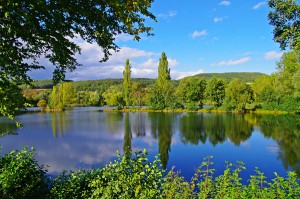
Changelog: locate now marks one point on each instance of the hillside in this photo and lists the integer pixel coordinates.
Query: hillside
(246, 76)
(103, 84)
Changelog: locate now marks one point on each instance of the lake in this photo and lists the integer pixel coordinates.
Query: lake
(84, 137)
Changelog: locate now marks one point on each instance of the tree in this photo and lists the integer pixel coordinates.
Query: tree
(163, 71)
(94, 98)
(238, 94)
(215, 91)
(288, 65)
(62, 95)
(161, 94)
(296, 84)
(113, 96)
(137, 94)
(42, 104)
(127, 82)
(191, 92)
(48, 29)
(285, 17)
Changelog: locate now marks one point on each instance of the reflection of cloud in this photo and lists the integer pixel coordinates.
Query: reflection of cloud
(246, 144)
(273, 149)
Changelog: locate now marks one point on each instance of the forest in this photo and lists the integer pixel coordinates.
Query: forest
(279, 91)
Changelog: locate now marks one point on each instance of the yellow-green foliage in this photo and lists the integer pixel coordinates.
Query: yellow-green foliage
(137, 177)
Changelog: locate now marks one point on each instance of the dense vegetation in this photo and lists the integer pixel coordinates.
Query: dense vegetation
(245, 76)
(276, 92)
(136, 177)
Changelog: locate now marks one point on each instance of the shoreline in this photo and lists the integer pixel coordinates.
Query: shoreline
(205, 110)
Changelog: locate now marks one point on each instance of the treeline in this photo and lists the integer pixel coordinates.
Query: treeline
(279, 91)
(245, 76)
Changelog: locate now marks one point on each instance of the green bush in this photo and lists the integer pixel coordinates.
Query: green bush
(136, 177)
(21, 176)
(129, 178)
(192, 106)
(73, 185)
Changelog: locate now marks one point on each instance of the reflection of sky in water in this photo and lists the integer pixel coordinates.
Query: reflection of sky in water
(85, 138)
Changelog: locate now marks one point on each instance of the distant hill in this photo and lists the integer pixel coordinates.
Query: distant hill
(92, 85)
(246, 76)
(103, 84)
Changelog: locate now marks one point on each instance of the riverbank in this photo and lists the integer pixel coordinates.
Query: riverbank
(204, 110)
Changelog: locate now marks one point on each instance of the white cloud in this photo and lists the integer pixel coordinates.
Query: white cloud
(172, 62)
(232, 62)
(218, 19)
(179, 75)
(150, 63)
(169, 14)
(124, 37)
(225, 3)
(272, 55)
(196, 33)
(259, 5)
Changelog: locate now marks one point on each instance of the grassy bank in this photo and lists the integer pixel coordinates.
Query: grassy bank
(136, 177)
(204, 110)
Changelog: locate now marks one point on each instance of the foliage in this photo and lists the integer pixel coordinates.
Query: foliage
(127, 82)
(245, 76)
(285, 17)
(163, 71)
(161, 95)
(138, 94)
(21, 176)
(33, 96)
(42, 104)
(11, 99)
(129, 178)
(113, 96)
(73, 185)
(238, 94)
(191, 91)
(155, 99)
(50, 31)
(62, 95)
(137, 177)
(215, 91)
(287, 66)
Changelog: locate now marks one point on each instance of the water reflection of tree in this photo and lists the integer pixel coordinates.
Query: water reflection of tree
(192, 128)
(138, 122)
(161, 129)
(285, 130)
(7, 127)
(58, 123)
(114, 121)
(127, 136)
(195, 127)
(237, 128)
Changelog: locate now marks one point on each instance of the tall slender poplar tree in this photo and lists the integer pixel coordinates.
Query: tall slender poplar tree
(163, 71)
(127, 82)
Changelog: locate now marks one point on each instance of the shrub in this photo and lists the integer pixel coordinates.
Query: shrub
(129, 178)
(21, 176)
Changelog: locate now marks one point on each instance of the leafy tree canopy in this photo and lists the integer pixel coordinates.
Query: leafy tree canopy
(34, 29)
(285, 17)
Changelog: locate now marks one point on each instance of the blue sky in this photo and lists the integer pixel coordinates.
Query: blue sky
(198, 36)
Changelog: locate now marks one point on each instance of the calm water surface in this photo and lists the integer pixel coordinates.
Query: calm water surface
(85, 138)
